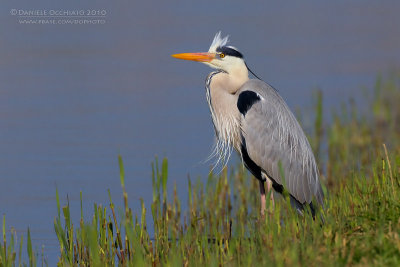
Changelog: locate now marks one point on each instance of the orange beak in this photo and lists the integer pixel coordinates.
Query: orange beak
(201, 57)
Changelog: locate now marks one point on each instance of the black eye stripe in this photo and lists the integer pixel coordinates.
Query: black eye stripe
(229, 51)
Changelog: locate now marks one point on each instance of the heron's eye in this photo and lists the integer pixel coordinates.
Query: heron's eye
(221, 55)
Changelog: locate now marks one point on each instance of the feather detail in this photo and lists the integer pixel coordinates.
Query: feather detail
(218, 41)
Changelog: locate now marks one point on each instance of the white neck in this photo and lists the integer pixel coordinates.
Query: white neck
(238, 75)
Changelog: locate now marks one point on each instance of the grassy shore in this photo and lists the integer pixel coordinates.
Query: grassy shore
(360, 155)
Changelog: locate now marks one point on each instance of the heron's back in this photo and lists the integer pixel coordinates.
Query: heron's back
(274, 138)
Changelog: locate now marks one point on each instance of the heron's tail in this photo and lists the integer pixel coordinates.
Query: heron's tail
(300, 208)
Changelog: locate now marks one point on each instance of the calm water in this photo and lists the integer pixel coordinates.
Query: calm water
(74, 96)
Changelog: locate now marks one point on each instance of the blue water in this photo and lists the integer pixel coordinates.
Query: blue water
(73, 97)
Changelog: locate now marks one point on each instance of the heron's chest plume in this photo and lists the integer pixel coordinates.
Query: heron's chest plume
(224, 113)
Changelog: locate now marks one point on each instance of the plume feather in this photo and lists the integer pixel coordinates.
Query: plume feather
(218, 41)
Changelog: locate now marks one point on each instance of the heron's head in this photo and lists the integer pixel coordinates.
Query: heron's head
(219, 56)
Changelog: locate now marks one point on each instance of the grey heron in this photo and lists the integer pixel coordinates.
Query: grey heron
(250, 116)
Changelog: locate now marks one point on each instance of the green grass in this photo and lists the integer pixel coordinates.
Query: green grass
(222, 225)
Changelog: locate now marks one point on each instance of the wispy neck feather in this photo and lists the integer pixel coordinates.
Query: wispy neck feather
(225, 116)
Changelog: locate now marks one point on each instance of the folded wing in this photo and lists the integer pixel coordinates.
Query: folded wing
(272, 138)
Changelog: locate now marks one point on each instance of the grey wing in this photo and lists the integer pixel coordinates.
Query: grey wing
(272, 136)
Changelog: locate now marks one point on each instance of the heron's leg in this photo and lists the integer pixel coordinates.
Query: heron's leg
(269, 187)
(262, 192)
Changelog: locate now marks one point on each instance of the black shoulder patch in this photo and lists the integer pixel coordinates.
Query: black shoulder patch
(246, 100)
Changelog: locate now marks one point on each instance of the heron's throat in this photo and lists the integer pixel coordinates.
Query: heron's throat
(234, 78)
